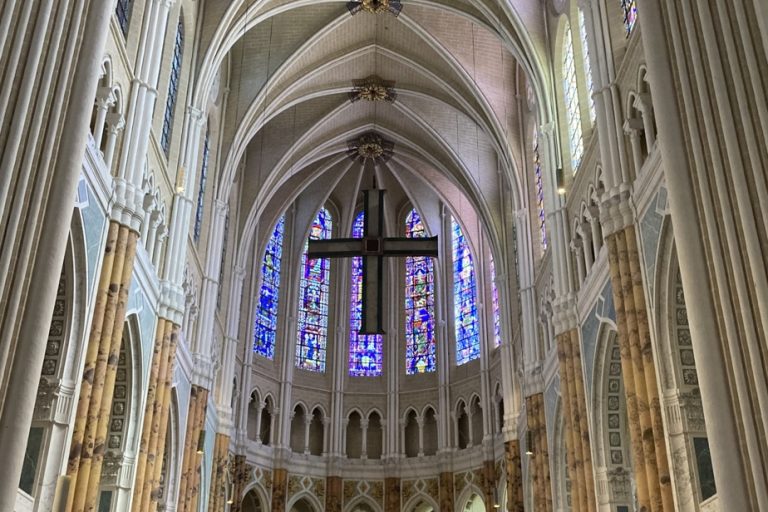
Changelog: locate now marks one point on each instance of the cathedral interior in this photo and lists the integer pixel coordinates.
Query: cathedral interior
(383, 255)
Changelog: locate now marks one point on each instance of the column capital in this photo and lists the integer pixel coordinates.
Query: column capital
(617, 209)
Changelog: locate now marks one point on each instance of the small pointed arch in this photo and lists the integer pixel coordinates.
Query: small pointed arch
(305, 502)
(375, 437)
(266, 423)
(298, 426)
(463, 438)
(363, 504)
(253, 425)
(354, 434)
(317, 431)
(254, 500)
(421, 502)
(411, 433)
(476, 427)
(429, 427)
(498, 399)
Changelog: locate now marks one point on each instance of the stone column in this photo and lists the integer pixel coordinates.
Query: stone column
(391, 494)
(447, 492)
(104, 100)
(307, 425)
(515, 500)
(279, 489)
(240, 478)
(333, 494)
(259, 408)
(638, 369)
(364, 428)
(190, 477)
(542, 488)
(577, 439)
(95, 401)
(152, 444)
(576, 248)
(420, 423)
(644, 105)
(115, 124)
(683, 65)
(632, 127)
(219, 480)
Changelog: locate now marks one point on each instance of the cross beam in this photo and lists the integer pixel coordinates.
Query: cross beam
(373, 248)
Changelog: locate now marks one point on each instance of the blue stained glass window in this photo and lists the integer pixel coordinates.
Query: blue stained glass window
(266, 308)
(629, 8)
(123, 13)
(464, 298)
(201, 189)
(313, 301)
(539, 190)
(365, 351)
(587, 65)
(496, 311)
(223, 261)
(571, 92)
(420, 349)
(173, 88)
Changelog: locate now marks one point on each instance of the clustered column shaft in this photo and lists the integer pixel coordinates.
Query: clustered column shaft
(98, 383)
(189, 487)
(651, 468)
(515, 500)
(279, 489)
(147, 489)
(575, 417)
(240, 477)
(542, 488)
(333, 494)
(218, 496)
(446, 491)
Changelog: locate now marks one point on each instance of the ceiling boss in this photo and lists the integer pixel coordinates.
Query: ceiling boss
(375, 6)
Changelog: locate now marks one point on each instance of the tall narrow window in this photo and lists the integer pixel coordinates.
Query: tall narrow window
(123, 13)
(496, 311)
(173, 88)
(587, 65)
(201, 189)
(571, 93)
(420, 347)
(464, 298)
(313, 301)
(365, 351)
(266, 309)
(539, 190)
(224, 243)
(629, 8)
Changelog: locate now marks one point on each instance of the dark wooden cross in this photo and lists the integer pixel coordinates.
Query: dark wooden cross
(373, 248)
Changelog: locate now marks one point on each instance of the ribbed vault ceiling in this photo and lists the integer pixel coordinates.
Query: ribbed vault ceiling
(460, 69)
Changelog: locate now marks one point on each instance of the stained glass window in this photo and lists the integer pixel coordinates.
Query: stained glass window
(539, 190)
(587, 65)
(266, 308)
(173, 88)
(201, 188)
(496, 311)
(572, 102)
(313, 301)
(365, 351)
(224, 243)
(420, 346)
(123, 13)
(464, 298)
(629, 8)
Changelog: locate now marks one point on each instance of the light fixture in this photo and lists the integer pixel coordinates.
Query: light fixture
(560, 177)
(529, 443)
(201, 443)
(496, 502)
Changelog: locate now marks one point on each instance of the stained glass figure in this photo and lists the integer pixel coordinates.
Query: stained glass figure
(365, 351)
(587, 65)
(539, 190)
(313, 301)
(173, 88)
(571, 93)
(420, 349)
(496, 311)
(201, 189)
(266, 309)
(629, 8)
(464, 298)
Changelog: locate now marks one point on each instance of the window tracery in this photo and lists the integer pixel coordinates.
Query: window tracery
(269, 293)
(587, 65)
(420, 350)
(313, 301)
(201, 188)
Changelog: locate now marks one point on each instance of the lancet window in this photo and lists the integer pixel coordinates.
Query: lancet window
(420, 347)
(173, 88)
(313, 301)
(571, 95)
(201, 188)
(365, 351)
(464, 298)
(269, 293)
